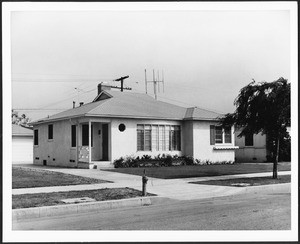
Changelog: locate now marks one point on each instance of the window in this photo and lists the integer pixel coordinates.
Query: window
(147, 145)
(36, 137)
(140, 138)
(85, 135)
(249, 140)
(50, 132)
(174, 138)
(73, 136)
(227, 132)
(219, 135)
(158, 138)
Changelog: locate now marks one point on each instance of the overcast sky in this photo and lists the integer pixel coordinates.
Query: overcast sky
(207, 56)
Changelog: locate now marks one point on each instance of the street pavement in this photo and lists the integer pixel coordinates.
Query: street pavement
(254, 211)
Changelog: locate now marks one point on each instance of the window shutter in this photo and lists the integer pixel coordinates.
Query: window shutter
(212, 135)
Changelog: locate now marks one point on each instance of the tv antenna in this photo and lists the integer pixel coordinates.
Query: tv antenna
(155, 82)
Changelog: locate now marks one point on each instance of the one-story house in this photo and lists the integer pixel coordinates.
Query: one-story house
(117, 124)
(252, 147)
(22, 144)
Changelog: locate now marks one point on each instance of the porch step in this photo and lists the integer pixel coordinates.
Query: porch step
(103, 164)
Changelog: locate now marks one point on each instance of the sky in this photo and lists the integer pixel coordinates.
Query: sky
(206, 56)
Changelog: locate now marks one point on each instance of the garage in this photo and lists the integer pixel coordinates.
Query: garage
(22, 144)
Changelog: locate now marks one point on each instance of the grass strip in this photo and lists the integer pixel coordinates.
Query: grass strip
(29, 178)
(54, 198)
(253, 181)
(176, 172)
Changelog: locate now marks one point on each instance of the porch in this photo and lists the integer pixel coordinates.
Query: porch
(93, 144)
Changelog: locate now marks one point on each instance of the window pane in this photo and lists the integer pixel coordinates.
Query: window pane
(228, 135)
(73, 136)
(155, 137)
(147, 140)
(177, 140)
(219, 137)
(50, 132)
(140, 140)
(249, 140)
(162, 138)
(167, 137)
(36, 137)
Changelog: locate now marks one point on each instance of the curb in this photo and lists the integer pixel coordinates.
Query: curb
(59, 210)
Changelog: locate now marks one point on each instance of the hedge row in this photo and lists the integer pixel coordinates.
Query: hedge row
(161, 161)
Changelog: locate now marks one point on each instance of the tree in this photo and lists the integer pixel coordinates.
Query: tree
(263, 107)
(19, 120)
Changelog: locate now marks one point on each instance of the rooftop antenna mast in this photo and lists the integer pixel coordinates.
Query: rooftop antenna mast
(155, 83)
(121, 79)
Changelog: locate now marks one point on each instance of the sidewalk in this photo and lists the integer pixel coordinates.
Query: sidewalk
(178, 189)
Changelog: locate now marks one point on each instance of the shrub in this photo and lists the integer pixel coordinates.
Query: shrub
(119, 163)
(168, 161)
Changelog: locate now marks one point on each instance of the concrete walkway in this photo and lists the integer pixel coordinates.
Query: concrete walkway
(178, 189)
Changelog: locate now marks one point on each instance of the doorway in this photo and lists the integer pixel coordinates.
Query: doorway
(105, 142)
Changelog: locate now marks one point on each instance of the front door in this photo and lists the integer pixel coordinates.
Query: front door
(105, 142)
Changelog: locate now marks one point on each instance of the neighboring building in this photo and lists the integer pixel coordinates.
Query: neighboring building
(252, 148)
(117, 124)
(22, 144)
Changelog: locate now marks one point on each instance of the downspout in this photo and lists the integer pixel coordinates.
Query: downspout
(77, 144)
(90, 143)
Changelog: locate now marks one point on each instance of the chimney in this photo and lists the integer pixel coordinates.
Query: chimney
(80, 104)
(102, 88)
(73, 104)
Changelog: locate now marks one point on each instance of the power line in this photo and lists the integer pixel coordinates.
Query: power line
(58, 80)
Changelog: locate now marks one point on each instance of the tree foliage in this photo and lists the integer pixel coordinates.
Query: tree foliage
(263, 107)
(19, 120)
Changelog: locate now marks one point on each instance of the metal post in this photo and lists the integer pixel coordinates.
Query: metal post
(144, 180)
(90, 142)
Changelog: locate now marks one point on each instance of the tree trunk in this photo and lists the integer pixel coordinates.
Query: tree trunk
(275, 163)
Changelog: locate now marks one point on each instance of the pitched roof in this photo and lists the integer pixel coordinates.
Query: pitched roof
(196, 113)
(132, 105)
(18, 130)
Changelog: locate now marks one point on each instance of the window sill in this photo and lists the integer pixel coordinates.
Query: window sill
(225, 147)
(50, 140)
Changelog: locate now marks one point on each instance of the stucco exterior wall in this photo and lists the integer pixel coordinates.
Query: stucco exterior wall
(125, 143)
(58, 151)
(255, 153)
(202, 149)
(188, 139)
(195, 141)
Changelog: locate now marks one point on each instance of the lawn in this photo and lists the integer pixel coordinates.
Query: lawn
(28, 178)
(54, 198)
(202, 170)
(255, 181)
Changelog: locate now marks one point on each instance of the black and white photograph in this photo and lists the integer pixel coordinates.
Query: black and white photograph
(150, 121)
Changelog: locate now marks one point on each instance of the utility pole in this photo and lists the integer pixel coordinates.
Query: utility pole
(155, 83)
(122, 84)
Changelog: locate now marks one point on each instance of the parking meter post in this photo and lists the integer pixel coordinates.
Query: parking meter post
(144, 181)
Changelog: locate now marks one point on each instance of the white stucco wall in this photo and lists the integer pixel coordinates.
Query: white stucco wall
(195, 141)
(202, 149)
(255, 153)
(56, 152)
(125, 143)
